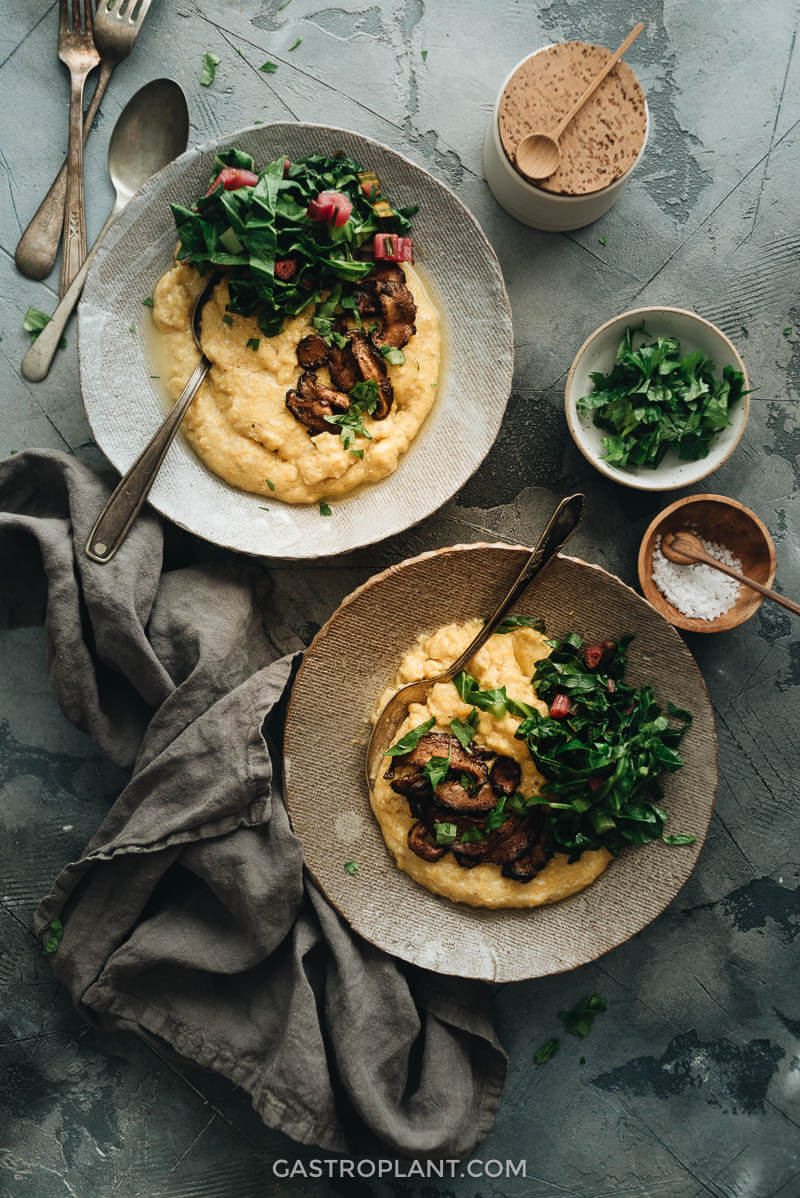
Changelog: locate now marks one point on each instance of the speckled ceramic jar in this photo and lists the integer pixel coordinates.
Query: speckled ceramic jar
(533, 205)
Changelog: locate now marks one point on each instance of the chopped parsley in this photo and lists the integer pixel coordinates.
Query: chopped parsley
(603, 240)
(351, 867)
(654, 399)
(294, 45)
(56, 932)
(444, 832)
(148, 302)
(132, 329)
(497, 815)
(210, 63)
(424, 55)
(363, 401)
(269, 68)
(393, 355)
(34, 321)
(325, 509)
(270, 483)
(787, 332)
(496, 701)
(512, 622)
(227, 319)
(356, 453)
(435, 769)
(253, 343)
(546, 1051)
(578, 1021)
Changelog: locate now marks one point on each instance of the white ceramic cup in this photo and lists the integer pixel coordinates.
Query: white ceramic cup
(533, 206)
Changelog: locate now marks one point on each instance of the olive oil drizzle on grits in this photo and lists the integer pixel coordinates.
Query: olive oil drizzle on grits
(239, 424)
(508, 660)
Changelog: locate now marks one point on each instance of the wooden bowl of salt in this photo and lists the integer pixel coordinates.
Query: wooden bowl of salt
(697, 598)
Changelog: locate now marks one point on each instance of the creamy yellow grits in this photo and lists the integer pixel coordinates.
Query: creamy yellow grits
(508, 660)
(239, 423)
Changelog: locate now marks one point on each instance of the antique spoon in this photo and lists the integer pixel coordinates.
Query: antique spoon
(151, 130)
(114, 522)
(538, 155)
(561, 525)
(685, 548)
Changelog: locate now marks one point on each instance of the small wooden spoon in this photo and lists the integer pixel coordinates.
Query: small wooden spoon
(684, 548)
(538, 155)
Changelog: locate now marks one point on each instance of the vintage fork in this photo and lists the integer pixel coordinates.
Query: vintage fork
(114, 36)
(76, 49)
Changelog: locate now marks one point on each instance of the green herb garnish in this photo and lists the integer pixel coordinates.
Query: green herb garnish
(210, 63)
(603, 240)
(444, 832)
(393, 355)
(546, 1051)
(34, 321)
(601, 762)
(512, 622)
(578, 1021)
(148, 303)
(294, 45)
(464, 730)
(269, 68)
(435, 769)
(787, 332)
(424, 56)
(471, 834)
(411, 739)
(227, 319)
(356, 453)
(132, 329)
(363, 401)
(270, 483)
(56, 932)
(497, 815)
(253, 343)
(325, 509)
(654, 399)
(351, 867)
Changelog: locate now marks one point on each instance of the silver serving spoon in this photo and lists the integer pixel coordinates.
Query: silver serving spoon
(561, 525)
(151, 130)
(115, 521)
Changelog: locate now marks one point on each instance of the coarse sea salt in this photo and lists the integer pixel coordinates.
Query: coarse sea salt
(698, 591)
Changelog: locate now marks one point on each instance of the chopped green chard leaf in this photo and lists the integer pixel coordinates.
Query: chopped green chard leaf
(444, 832)
(546, 1051)
(601, 760)
(435, 769)
(411, 739)
(210, 63)
(655, 399)
(578, 1021)
(351, 867)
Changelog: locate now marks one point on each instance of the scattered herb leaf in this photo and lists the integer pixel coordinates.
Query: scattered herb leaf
(787, 332)
(424, 55)
(132, 329)
(578, 1021)
(34, 321)
(444, 832)
(269, 68)
(512, 622)
(148, 302)
(210, 63)
(546, 1051)
(351, 867)
(270, 483)
(435, 769)
(294, 45)
(227, 319)
(325, 509)
(603, 240)
(56, 932)
(356, 453)
(393, 355)
(253, 343)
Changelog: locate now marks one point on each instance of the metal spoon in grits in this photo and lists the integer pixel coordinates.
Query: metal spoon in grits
(151, 130)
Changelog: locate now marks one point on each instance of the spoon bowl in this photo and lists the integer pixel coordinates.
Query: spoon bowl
(538, 155)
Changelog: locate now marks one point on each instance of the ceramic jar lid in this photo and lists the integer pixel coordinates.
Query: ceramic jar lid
(607, 135)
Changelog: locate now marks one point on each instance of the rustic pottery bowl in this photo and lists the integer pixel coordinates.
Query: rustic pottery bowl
(345, 670)
(598, 353)
(726, 522)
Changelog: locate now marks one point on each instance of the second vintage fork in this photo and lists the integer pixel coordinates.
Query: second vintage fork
(76, 49)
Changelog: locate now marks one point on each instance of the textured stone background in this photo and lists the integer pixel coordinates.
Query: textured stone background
(688, 1085)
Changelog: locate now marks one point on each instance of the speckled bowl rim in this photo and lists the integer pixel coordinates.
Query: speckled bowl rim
(571, 198)
(707, 465)
(414, 490)
(369, 916)
(661, 603)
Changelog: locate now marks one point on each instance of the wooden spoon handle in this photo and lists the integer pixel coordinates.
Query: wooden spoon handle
(598, 79)
(749, 582)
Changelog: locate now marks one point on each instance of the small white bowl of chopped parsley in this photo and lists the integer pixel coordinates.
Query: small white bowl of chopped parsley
(657, 398)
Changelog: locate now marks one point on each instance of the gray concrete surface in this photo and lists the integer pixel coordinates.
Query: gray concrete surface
(689, 1083)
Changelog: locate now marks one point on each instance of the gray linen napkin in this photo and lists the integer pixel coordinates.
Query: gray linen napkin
(189, 918)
